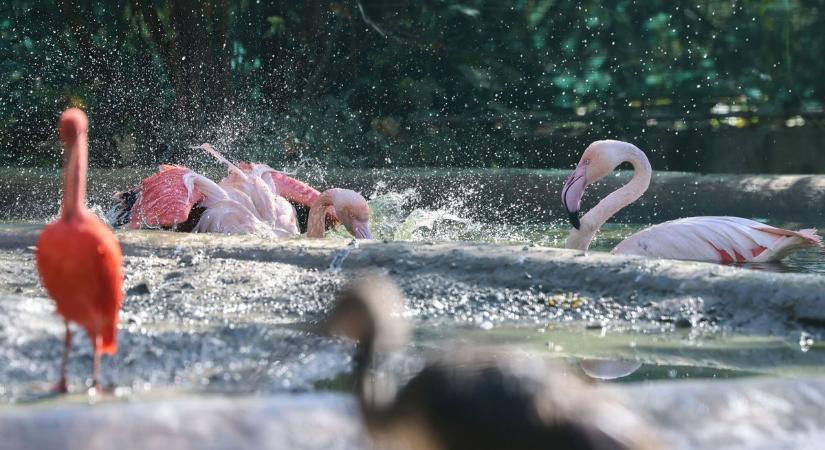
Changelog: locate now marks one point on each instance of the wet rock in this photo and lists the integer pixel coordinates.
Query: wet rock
(740, 414)
(300, 422)
(745, 414)
(683, 323)
(242, 313)
(139, 289)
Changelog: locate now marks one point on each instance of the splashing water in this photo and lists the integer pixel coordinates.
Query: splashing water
(338, 260)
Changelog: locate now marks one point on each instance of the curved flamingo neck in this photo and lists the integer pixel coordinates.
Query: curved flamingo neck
(594, 219)
(74, 176)
(316, 224)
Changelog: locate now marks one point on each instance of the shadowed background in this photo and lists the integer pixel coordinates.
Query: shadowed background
(708, 86)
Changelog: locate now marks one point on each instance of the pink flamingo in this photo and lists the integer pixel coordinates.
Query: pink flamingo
(258, 195)
(712, 238)
(252, 198)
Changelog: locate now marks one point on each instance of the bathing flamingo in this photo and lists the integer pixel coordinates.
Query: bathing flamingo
(712, 238)
(252, 198)
(78, 256)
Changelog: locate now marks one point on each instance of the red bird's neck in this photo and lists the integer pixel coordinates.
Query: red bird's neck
(74, 177)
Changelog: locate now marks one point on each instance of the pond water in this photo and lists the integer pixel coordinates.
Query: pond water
(394, 219)
(616, 355)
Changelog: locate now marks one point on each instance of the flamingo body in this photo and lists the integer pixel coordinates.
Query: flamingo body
(716, 238)
(165, 198)
(252, 199)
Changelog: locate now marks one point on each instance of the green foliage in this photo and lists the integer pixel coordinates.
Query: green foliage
(379, 83)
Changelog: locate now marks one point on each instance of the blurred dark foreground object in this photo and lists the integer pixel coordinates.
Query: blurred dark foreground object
(473, 400)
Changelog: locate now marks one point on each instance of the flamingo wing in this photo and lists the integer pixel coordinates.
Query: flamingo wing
(109, 274)
(719, 239)
(247, 185)
(165, 198)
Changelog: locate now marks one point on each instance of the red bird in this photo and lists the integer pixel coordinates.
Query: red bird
(78, 256)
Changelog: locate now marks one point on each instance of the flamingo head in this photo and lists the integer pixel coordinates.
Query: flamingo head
(352, 210)
(73, 122)
(598, 160)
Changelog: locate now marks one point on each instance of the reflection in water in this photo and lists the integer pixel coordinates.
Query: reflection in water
(609, 369)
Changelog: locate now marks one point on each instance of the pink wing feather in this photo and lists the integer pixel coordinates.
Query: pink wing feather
(165, 198)
(719, 239)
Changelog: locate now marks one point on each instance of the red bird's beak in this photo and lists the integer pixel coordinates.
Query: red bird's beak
(571, 195)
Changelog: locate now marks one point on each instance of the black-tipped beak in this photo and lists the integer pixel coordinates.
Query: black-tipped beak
(572, 193)
(573, 216)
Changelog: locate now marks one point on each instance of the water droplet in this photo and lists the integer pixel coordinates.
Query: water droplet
(806, 341)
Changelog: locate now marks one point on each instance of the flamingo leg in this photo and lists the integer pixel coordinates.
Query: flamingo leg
(63, 385)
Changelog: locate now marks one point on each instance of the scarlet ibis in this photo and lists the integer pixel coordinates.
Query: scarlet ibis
(78, 256)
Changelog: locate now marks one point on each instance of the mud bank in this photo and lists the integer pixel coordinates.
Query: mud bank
(746, 414)
(462, 281)
(488, 195)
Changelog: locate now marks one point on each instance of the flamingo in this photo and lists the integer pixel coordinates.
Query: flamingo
(710, 238)
(252, 198)
(79, 258)
(472, 401)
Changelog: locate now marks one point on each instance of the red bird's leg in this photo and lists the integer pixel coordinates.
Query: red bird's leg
(96, 361)
(63, 385)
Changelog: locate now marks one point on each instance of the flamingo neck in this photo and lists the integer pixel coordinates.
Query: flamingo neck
(316, 224)
(597, 216)
(74, 177)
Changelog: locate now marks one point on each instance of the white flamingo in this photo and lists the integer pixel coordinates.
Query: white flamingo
(711, 238)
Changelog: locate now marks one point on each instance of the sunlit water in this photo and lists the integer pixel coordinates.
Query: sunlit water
(680, 355)
(608, 355)
(394, 219)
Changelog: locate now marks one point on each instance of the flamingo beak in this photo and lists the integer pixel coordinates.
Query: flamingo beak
(361, 230)
(571, 195)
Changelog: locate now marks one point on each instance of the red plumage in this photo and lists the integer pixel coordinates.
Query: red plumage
(78, 256)
(80, 264)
